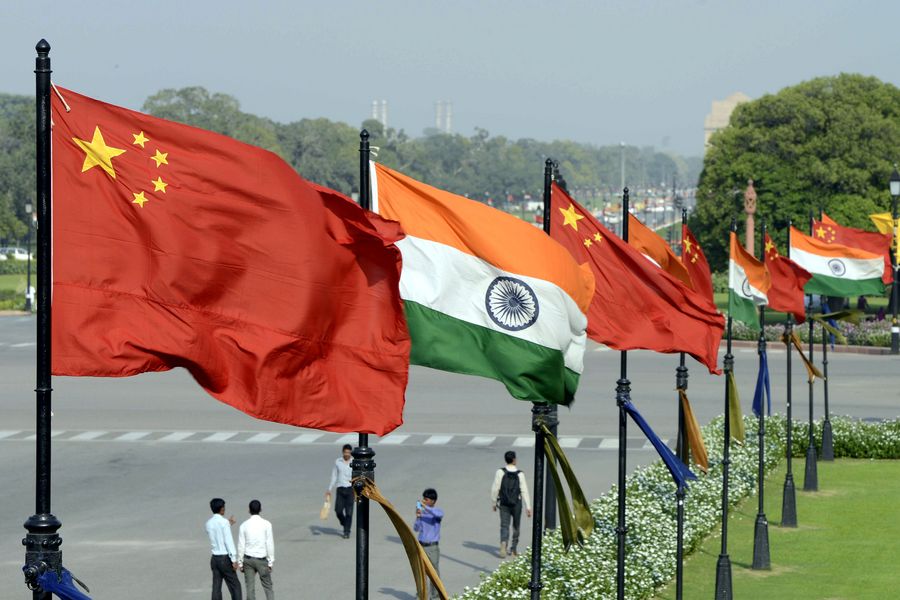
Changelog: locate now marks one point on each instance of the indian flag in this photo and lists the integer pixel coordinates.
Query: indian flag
(748, 284)
(837, 270)
(486, 293)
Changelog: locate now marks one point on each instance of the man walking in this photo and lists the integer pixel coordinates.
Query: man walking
(256, 552)
(428, 526)
(224, 557)
(508, 492)
(341, 475)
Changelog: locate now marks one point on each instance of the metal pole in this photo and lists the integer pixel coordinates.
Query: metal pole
(540, 414)
(42, 543)
(363, 463)
(789, 496)
(28, 268)
(551, 171)
(623, 395)
(681, 383)
(761, 528)
(811, 475)
(827, 440)
(895, 325)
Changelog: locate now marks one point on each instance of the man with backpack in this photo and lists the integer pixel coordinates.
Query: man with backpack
(508, 493)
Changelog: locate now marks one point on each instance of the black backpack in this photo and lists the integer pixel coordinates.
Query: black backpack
(509, 488)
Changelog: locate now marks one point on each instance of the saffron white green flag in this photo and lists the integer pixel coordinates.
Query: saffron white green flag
(748, 284)
(837, 270)
(486, 293)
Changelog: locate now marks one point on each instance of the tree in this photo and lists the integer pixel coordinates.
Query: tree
(828, 143)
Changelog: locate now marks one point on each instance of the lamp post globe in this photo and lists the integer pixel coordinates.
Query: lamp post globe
(895, 326)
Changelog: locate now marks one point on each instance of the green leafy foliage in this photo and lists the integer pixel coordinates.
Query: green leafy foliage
(827, 143)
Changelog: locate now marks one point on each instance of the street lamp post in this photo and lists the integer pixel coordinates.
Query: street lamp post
(28, 210)
(895, 327)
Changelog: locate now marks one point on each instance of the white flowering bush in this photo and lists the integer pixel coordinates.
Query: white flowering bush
(589, 572)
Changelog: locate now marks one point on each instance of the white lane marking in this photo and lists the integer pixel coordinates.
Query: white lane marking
(350, 438)
(437, 440)
(393, 439)
(132, 436)
(306, 438)
(523, 442)
(87, 435)
(6, 434)
(220, 436)
(22, 345)
(608, 444)
(569, 442)
(260, 438)
(176, 436)
(482, 440)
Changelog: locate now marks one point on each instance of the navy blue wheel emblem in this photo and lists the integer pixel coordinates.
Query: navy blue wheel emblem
(745, 288)
(837, 267)
(511, 303)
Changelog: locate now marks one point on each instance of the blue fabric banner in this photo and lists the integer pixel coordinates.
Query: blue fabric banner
(762, 386)
(63, 587)
(680, 473)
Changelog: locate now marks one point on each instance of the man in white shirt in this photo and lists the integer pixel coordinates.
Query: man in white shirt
(256, 552)
(224, 557)
(341, 475)
(508, 492)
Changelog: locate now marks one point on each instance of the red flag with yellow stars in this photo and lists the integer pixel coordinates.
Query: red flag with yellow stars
(177, 247)
(830, 232)
(636, 305)
(656, 249)
(694, 260)
(788, 279)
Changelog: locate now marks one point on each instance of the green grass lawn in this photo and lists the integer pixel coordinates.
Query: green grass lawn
(846, 546)
(15, 283)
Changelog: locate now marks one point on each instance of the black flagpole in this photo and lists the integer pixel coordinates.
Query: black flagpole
(42, 543)
(549, 488)
(363, 463)
(811, 476)
(541, 414)
(761, 530)
(827, 437)
(789, 496)
(681, 383)
(723, 566)
(623, 395)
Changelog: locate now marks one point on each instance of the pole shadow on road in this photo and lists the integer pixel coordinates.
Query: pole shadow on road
(386, 591)
(396, 540)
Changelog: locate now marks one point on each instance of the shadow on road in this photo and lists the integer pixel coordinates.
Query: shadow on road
(385, 591)
(492, 550)
(319, 530)
(396, 540)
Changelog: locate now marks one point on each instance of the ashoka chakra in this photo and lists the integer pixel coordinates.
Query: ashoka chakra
(837, 267)
(746, 289)
(511, 303)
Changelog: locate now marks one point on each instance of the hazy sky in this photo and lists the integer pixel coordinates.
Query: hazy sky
(639, 71)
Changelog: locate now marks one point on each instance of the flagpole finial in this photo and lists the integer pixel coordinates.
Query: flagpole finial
(734, 224)
(43, 47)
(364, 135)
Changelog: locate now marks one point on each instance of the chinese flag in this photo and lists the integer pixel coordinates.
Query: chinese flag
(829, 231)
(177, 247)
(636, 304)
(656, 249)
(788, 279)
(694, 260)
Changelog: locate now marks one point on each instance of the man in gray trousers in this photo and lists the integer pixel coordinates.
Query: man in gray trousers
(256, 552)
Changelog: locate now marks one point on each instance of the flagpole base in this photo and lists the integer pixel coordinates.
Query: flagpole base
(789, 503)
(761, 544)
(827, 441)
(723, 578)
(811, 475)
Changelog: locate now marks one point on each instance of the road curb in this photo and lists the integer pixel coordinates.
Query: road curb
(838, 348)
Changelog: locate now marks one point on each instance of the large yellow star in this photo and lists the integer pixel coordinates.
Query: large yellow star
(139, 199)
(140, 139)
(770, 246)
(159, 185)
(97, 153)
(821, 232)
(161, 158)
(571, 217)
(687, 245)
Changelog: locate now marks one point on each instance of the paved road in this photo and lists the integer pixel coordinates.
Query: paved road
(136, 461)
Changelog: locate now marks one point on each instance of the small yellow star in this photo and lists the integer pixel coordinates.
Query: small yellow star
(139, 199)
(571, 217)
(820, 232)
(159, 185)
(98, 154)
(161, 158)
(694, 258)
(598, 237)
(140, 139)
(687, 245)
(587, 242)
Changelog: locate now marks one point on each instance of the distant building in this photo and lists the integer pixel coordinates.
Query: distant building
(720, 114)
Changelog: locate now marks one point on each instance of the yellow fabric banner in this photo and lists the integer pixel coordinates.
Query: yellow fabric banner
(693, 435)
(811, 369)
(735, 415)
